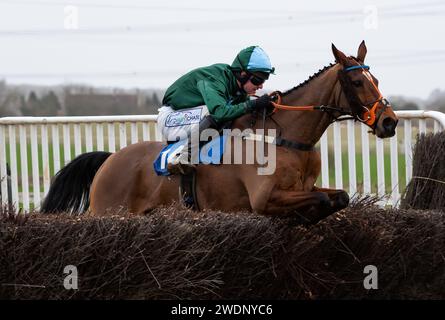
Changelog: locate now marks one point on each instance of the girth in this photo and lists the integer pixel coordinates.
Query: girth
(293, 144)
(279, 141)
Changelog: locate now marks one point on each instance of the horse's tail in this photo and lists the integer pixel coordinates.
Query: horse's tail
(70, 188)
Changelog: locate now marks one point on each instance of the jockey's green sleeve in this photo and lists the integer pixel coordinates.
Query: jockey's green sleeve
(214, 86)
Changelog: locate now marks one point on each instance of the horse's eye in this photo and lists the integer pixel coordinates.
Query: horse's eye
(357, 83)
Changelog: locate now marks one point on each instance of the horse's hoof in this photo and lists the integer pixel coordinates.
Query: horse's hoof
(341, 200)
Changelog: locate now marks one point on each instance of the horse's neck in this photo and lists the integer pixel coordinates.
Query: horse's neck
(308, 126)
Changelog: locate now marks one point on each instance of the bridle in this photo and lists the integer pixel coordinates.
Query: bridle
(370, 116)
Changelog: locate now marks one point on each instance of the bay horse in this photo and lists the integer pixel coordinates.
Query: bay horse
(107, 183)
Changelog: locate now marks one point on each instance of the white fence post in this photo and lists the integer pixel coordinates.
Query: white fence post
(324, 160)
(351, 159)
(365, 160)
(395, 195)
(3, 170)
(408, 150)
(337, 156)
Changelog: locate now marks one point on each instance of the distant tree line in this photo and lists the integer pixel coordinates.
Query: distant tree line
(85, 104)
(437, 100)
(48, 105)
(402, 103)
(75, 101)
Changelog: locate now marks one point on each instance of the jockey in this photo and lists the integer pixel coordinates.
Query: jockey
(210, 96)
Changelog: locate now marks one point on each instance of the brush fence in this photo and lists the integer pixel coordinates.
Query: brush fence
(33, 149)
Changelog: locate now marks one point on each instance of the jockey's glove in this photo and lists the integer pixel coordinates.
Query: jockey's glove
(265, 101)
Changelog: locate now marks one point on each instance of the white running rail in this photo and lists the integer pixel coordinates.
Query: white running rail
(52, 142)
(382, 172)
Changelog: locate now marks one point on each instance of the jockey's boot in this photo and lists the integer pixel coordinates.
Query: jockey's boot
(182, 162)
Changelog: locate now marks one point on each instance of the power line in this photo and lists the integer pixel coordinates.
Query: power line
(219, 9)
(111, 74)
(419, 61)
(205, 26)
(144, 7)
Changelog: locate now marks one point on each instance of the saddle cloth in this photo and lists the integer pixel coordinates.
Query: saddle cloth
(210, 153)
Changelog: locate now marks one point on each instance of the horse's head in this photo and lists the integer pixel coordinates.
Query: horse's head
(360, 89)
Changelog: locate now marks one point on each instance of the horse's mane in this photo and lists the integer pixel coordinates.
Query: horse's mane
(315, 75)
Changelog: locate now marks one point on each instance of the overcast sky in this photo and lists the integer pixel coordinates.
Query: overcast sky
(148, 44)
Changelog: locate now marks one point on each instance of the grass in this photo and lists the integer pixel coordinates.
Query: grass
(373, 171)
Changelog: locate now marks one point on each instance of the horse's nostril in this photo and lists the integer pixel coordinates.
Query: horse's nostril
(389, 124)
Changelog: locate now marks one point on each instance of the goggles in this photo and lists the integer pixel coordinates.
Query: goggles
(257, 81)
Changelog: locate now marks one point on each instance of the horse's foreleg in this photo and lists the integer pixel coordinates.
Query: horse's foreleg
(339, 198)
(308, 207)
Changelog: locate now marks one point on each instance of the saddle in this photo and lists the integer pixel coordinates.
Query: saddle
(210, 153)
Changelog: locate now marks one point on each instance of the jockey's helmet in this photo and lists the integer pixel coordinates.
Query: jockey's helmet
(253, 60)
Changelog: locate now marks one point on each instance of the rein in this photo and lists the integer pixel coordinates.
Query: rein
(279, 141)
(328, 109)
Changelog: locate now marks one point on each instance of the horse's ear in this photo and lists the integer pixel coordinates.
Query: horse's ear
(361, 53)
(339, 56)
